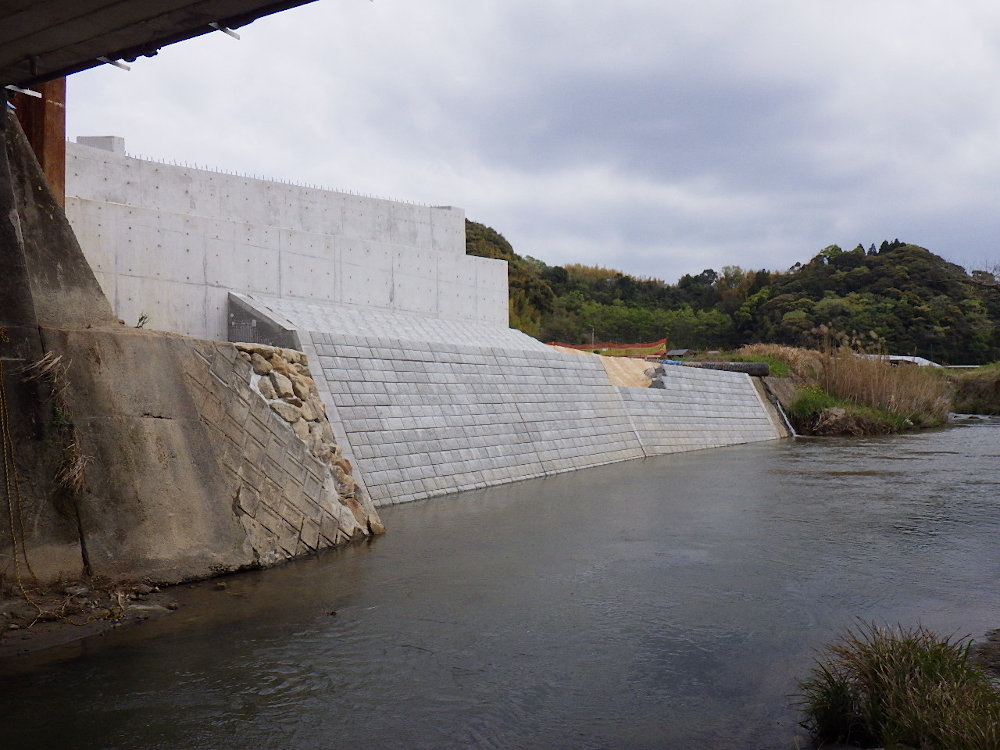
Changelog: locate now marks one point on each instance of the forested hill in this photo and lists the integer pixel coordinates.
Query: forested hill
(900, 295)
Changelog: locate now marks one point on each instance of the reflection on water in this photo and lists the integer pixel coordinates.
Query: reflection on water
(671, 602)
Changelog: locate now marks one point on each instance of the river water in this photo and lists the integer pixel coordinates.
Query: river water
(666, 603)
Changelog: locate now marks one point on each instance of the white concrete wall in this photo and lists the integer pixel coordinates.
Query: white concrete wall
(170, 242)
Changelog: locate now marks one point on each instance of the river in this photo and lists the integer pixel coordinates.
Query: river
(665, 603)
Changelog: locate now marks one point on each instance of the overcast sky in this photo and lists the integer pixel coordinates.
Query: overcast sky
(657, 137)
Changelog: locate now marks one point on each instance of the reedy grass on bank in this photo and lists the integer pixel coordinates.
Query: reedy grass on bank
(901, 688)
(899, 396)
(918, 394)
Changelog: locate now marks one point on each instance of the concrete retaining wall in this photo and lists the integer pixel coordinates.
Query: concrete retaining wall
(698, 409)
(169, 242)
(426, 419)
(428, 390)
(135, 453)
(427, 407)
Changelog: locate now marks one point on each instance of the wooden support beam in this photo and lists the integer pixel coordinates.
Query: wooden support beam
(44, 123)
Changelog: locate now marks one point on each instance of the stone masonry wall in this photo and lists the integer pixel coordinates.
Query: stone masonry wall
(297, 493)
(326, 506)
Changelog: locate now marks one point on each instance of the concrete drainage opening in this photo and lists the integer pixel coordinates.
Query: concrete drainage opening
(252, 326)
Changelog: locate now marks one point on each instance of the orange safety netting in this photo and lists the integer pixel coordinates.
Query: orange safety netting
(650, 350)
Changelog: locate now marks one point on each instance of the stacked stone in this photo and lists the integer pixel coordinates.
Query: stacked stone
(283, 378)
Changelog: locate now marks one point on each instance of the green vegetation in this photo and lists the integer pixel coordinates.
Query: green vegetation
(901, 688)
(977, 391)
(816, 412)
(908, 299)
(531, 296)
(843, 392)
(811, 401)
(777, 367)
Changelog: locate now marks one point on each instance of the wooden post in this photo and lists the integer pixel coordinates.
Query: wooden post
(44, 123)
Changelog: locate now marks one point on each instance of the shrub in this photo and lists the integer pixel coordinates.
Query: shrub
(816, 412)
(810, 401)
(902, 688)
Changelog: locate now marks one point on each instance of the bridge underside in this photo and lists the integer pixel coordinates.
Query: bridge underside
(40, 41)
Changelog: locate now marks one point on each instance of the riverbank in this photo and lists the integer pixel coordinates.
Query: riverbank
(56, 616)
(840, 392)
(977, 391)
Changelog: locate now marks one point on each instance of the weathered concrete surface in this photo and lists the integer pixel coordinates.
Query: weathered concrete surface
(774, 408)
(151, 464)
(63, 288)
(130, 453)
(30, 457)
(189, 472)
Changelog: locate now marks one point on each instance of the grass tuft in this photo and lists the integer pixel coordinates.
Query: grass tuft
(901, 688)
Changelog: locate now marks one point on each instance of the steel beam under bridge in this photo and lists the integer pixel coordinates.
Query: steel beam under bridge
(40, 40)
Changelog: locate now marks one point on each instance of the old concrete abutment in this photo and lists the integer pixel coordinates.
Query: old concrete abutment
(133, 453)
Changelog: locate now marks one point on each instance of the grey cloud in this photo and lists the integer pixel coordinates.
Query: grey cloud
(665, 137)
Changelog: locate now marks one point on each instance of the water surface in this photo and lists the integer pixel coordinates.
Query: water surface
(665, 603)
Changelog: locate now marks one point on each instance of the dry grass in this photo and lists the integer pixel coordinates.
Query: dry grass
(804, 363)
(71, 476)
(977, 391)
(919, 395)
(51, 370)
